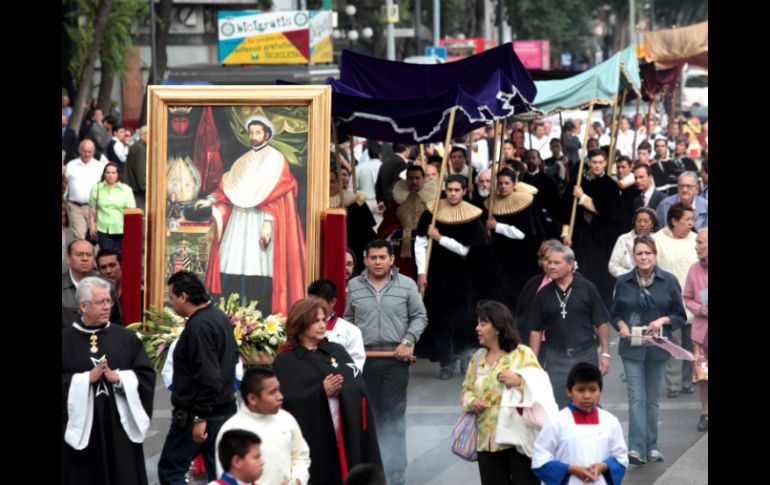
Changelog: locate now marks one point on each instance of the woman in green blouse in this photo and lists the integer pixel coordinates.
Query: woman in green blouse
(502, 354)
(108, 200)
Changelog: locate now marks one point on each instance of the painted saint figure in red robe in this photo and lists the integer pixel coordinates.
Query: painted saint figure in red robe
(258, 249)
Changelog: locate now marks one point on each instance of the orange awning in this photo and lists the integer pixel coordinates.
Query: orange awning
(674, 47)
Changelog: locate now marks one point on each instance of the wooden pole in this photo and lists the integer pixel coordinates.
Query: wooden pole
(653, 98)
(495, 165)
(422, 156)
(353, 187)
(613, 132)
(579, 175)
(468, 161)
(338, 165)
(442, 173)
(638, 105)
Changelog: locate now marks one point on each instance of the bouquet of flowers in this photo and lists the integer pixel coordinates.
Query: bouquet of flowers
(258, 338)
(158, 332)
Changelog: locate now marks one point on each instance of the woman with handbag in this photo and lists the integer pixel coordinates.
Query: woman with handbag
(647, 297)
(108, 200)
(493, 367)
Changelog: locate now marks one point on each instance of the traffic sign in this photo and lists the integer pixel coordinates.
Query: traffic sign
(434, 51)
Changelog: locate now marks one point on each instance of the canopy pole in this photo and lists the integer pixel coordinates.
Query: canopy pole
(653, 98)
(353, 164)
(495, 164)
(613, 132)
(469, 161)
(638, 105)
(441, 175)
(579, 175)
(338, 165)
(422, 156)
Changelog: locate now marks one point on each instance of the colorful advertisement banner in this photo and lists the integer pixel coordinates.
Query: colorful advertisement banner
(289, 37)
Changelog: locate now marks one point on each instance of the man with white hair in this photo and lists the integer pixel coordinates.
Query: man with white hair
(258, 249)
(108, 383)
(482, 188)
(687, 190)
(572, 313)
(82, 173)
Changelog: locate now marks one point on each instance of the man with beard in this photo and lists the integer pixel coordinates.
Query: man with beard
(598, 223)
(483, 186)
(411, 197)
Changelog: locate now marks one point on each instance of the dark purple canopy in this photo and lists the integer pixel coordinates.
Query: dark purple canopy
(410, 103)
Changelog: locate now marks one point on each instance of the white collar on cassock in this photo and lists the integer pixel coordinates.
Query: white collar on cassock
(89, 330)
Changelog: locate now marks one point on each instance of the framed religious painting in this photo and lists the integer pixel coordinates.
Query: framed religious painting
(237, 179)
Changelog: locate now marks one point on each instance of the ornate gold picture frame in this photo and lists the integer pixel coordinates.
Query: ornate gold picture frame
(237, 179)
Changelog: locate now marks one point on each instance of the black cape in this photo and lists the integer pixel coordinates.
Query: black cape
(628, 195)
(547, 202)
(360, 223)
(455, 285)
(518, 257)
(110, 457)
(594, 235)
(301, 373)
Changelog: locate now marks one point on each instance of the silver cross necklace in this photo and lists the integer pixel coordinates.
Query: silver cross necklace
(563, 303)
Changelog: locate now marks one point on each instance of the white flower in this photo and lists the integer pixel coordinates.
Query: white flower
(273, 341)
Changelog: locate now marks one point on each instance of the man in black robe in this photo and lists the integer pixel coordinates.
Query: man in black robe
(463, 270)
(547, 197)
(107, 391)
(359, 221)
(598, 223)
(516, 232)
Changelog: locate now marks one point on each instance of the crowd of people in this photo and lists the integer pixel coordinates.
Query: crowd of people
(483, 280)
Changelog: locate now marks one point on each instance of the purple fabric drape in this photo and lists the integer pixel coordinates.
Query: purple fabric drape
(410, 103)
(654, 80)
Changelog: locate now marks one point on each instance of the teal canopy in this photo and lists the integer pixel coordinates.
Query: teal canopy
(597, 85)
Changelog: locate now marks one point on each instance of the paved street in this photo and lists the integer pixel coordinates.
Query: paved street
(434, 405)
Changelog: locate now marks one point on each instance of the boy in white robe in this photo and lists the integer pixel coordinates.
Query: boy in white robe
(285, 451)
(584, 441)
(339, 330)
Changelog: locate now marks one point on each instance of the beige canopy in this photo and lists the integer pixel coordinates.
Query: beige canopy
(674, 47)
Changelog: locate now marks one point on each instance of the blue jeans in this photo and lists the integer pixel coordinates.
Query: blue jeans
(643, 378)
(179, 451)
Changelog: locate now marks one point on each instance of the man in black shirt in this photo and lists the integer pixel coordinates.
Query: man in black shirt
(202, 394)
(572, 314)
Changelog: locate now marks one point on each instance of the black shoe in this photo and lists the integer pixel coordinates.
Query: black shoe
(703, 422)
(635, 458)
(687, 390)
(445, 373)
(673, 394)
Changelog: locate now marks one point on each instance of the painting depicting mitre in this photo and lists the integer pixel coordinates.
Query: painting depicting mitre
(183, 179)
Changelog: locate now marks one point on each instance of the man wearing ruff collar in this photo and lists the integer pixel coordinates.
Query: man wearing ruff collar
(259, 246)
(399, 222)
(463, 270)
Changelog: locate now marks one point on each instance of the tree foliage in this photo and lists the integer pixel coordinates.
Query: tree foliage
(116, 45)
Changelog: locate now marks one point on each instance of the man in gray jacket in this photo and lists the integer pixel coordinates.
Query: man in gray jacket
(387, 307)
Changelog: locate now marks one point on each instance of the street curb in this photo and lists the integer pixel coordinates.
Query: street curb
(692, 468)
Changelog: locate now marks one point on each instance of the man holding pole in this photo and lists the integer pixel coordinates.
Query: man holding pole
(598, 223)
(388, 310)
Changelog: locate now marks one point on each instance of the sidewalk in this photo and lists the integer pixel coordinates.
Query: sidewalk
(692, 468)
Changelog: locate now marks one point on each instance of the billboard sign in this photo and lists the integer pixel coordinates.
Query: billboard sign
(288, 37)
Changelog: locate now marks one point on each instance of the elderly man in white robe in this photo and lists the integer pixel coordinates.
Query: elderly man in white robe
(107, 391)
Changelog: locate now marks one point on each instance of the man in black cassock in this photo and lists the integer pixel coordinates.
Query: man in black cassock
(516, 232)
(463, 270)
(359, 221)
(107, 390)
(547, 196)
(598, 223)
